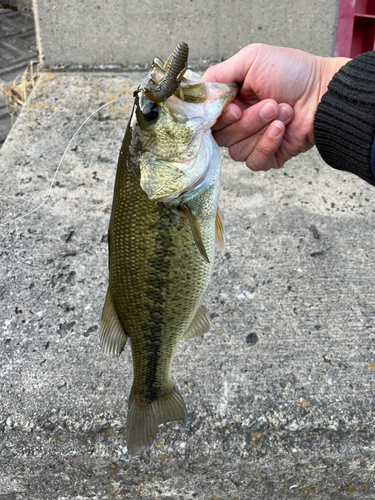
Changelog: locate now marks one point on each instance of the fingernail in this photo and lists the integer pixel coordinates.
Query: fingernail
(284, 114)
(268, 111)
(274, 130)
(229, 116)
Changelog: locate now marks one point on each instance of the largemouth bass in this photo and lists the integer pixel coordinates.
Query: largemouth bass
(161, 236)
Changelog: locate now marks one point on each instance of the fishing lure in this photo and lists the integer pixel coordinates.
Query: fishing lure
(175, 69)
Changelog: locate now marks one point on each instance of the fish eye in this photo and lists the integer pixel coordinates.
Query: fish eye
(150, 111)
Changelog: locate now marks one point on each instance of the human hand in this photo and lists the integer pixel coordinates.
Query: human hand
(271, 119)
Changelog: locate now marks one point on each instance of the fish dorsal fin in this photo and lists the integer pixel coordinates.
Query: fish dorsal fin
(195, 229)
(112, 335)
(199, 325)
(219, 231)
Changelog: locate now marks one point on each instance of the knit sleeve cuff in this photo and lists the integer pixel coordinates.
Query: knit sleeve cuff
(344, 125)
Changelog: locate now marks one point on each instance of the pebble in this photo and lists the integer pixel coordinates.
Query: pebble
(5, 453)
(245, 295)
(292, 427)
(10, 421)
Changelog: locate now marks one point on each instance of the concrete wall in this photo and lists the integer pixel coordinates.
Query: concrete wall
(127, 33)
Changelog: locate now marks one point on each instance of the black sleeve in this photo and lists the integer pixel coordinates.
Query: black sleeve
(344, 125)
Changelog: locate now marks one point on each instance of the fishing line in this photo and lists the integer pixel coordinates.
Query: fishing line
(58, 167)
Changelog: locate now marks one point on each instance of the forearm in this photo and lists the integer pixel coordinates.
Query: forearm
(344, 125)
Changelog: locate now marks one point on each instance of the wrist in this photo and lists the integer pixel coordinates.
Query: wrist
(328, 67)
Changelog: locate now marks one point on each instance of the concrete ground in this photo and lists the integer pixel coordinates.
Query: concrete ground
(280, 393)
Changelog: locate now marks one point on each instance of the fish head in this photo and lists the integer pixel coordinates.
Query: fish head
(173, 151)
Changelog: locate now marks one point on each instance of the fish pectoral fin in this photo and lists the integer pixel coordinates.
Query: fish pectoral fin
(200, 324)
(219, 231)
(144, 418)
(196, 232)
(112, 335)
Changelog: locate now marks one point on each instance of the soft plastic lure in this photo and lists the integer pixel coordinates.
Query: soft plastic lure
(174, 69)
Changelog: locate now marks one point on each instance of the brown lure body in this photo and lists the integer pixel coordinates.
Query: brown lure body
(175, 69)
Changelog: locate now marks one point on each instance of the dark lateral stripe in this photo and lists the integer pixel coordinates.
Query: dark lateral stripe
(157, 282)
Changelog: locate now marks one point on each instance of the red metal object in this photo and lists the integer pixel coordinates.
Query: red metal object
(355, 28)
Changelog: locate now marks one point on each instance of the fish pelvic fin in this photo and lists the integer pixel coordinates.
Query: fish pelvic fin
(196, 232)
(112, 335)
(199, 325)
(144, 418)
(219, 231)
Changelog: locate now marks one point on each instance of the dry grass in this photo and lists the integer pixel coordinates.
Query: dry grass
(16, 93)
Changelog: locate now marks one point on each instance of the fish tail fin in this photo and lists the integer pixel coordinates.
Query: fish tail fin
(144, 418)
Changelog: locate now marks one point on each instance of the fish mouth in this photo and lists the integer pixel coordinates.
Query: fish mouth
(166, 176)
(202, 100)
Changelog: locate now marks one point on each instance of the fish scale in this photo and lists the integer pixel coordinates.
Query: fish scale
(156, 261)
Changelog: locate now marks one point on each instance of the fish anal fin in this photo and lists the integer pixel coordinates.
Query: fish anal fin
(219, 231)
(196, 232)
(144, 418)
(200, 324)
(112, 335)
